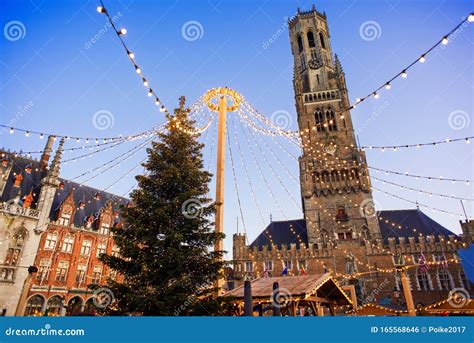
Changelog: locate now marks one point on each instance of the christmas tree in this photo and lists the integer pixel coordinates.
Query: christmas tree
(166, 263)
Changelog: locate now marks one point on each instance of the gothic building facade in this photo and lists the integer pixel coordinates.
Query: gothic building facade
(342, 232)
(57, 227)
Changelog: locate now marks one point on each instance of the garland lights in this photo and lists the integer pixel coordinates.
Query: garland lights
(404, 73)
(440, 178)
(421, 191)
(131, 56)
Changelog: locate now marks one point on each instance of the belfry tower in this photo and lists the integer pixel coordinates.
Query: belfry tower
(335, 184)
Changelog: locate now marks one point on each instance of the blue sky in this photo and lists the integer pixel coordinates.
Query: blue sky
(55, 79)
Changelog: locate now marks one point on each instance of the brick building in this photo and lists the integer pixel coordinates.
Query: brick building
(62, 234)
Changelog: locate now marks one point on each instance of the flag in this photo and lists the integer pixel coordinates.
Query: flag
(285, 271)
(423, 267)
(303, 271)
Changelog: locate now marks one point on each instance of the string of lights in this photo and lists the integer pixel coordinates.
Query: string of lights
(404, 72)
(418, 145)
(131, 56)
(126, 174)
(41, 135)
(74, 159)
(438, 178)
(421, 191)
(416, 203)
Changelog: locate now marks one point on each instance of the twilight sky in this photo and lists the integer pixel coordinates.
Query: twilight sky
(66, 65)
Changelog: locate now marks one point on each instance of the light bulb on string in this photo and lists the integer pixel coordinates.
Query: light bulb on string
(27, 134)
(100, 9)
(150, 92)
(145, 83)
(445, 40)
(41, 136)
(404, 74)
(388, 86)
(138, 70)
(470, 18)
(376, 95)
(130, 54)
(422, 59)
(122, 31)
(12, 130)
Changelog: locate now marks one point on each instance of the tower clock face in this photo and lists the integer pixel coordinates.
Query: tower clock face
(315, 63)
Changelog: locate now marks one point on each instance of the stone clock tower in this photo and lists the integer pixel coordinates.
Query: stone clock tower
(335, 183)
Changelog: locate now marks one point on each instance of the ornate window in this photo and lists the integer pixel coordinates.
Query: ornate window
(101, 248)
(444, 279)
(319, 116)
(268, 265)
(61, 273)
(324, 238)
(300, 43)
(65, 219)
(15, 247)
(289, 264)
(249, 266)
(43, 270)
(310, 37)
(54, 305)
(321, 39)
(86, 247)
(104, 229)
(341, 214)
(81, 273)
(34, 305)
(115, 251)
(96, 274)
(424, 282)
(331, 120)
(68, 243)
(50, 242)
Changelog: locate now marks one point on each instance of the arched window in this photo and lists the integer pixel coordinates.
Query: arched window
(310, 37)
(325, 177)
(324, 238)
(300, 44)
(321, 38)
(331, 120)
(34, 305)
(74, 306)
(364, 233)
(54, 305)
(15, 247)
(319, 116)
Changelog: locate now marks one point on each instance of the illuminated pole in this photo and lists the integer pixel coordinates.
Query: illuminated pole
(407, 292)
(220, 173)
(222, 96)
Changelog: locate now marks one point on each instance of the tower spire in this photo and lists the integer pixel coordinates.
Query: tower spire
(55, 165)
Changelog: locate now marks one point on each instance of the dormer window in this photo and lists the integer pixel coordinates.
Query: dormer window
(65, 219)
(104, 229)
(50, 242)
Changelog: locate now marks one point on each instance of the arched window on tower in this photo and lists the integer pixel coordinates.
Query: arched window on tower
(310, 37)
(331, 120)
(300, 43)
(321, 38)
(319, 116)
(324, 238)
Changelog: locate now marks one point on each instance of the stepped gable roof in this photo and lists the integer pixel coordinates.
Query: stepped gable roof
(409, 219)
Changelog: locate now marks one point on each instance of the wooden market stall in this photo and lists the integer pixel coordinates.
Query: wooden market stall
(297, 295)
